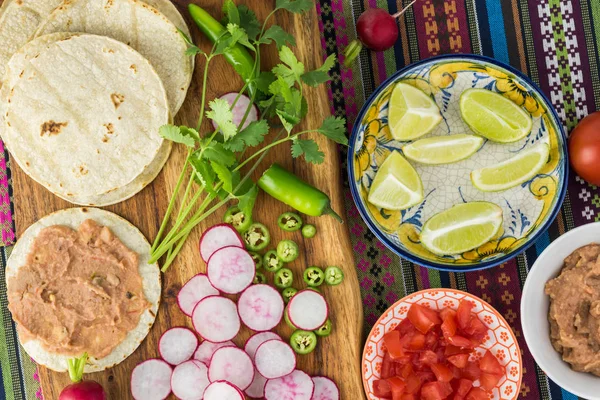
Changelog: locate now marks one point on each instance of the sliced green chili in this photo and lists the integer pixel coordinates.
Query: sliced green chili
(334, 276)
(260, 278)
(257, 258)
(272, 262)
(314, 276)
(284, 278)
(288, 293)
(325, 329)
(288, 250)
(303, 342)
(289, 221)
(309, 231)
(286, 318)
(316, 289)
(237, 218)
(257, 237)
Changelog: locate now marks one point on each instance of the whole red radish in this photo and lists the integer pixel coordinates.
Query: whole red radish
(81, 390)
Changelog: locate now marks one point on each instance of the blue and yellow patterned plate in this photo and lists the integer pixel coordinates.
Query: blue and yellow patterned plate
(528, 209)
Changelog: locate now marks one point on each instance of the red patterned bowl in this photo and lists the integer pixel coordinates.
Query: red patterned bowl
(500, 339)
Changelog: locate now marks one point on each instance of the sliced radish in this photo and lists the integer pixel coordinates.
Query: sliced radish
(216, 238)
(258, 339)
(206, 350)
(295, 386)
(216, 319)
(260, 307)
(190, 380)
(308, 310)
(193, 291)
(256, 390)
(231, 269)
(177, 345)
(232, 365)
(222, 390)
(274, 359)
(240, 109)
(325, 389)
(151, 380)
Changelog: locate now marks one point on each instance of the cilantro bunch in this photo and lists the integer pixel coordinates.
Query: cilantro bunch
(219, 163)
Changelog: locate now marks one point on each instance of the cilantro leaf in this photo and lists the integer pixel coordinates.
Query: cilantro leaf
(335, 129)
(248, 22)
(190, 132)
(328, 63)
(203, 172)
(291, 69)
(264, 80)
(309, 148)
(218, 152)
(174, 134)
(295, 6)
(251, 136)
(220, 113)
(321, 74)
(276, 34)
(238, 35)
(247, 200)
(231, 12)
(192, 49)
(284, 118)
(224, 175)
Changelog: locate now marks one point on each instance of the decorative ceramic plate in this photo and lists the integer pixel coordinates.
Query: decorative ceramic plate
(528, 208)
(500, 339)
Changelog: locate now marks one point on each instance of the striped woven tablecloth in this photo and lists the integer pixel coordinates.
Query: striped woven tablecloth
(555, 42)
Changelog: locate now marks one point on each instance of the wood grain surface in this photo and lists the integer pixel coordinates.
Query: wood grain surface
(337, 356)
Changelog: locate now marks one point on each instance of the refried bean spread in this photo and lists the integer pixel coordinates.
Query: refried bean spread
(79, 291)
(575, 310)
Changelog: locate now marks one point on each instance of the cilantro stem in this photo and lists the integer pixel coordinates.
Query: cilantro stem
(204, 87)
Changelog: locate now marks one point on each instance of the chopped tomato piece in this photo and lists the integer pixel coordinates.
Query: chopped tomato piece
(388, 368)
(432, 340)
(457, 397)
(442, 372)
(460, 341)
(416, 342)
(428, 357)
(449, 327)
(406, 371)
(405, 327)
(433, 315)
(477, 394)
(457, 372)
(489, 381)
(407, 396)
(382, 388)
(420, 318)
(460, 360)
(436, 391)
(476, 329)
(391, 340)
(471, 371)
(398, 385)
(462, 387)
(452, 350)
(463, 313)
(490, 364)
(413, 384)
(405, 359)
(425, 376)
(446, 312)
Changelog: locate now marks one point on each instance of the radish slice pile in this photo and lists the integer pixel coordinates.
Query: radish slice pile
(206, 350)
(177, 345)
(240, 109)
(190, 380)
(275, 359)
(232, 365)
(151, 380)
(216, 238)
(256, 340)
(295, 386)
(260, 307)
(256, 390)
(231, 269)
(308, 310)
(325, 389)
(192, 292)
(216, 319)
(221, 390)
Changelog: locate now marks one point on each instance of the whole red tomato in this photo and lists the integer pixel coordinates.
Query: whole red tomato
(584, 148)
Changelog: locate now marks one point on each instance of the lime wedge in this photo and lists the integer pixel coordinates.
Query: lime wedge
(461, 228)
(412, 113)
(513, 171)
(493, 116)
(397, 186)
(443, 149)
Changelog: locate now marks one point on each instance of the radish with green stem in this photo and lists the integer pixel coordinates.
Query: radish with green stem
(81, 390)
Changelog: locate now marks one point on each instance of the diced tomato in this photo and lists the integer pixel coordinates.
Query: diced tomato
(490, 364)
(476, 329)
(463, 313)
(442, 372)
(460, 341)
(405, 359)
(388, 367)
(436, 391)
(446, 312)
(460, 360)
(416, 342)
(407, 396)
(433, 315)
(428, 357)
(382, 388)
(457, 397)
(398, 385)
(391, 340)
(462, 387)
(432, 340)
(425, 376)
(489, 381)
(405, 327)
(420, 318)
(471, 371)
(406, 371)
(413, 384)
(450, 350)
(456, 372)
(477, 394)
(449, 327)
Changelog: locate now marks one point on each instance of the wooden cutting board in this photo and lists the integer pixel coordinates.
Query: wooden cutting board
(337, 356)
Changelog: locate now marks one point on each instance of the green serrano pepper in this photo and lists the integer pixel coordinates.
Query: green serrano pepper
(288, 293)
(237, 55)
(283, 278)
(303, 342)
(293, 191)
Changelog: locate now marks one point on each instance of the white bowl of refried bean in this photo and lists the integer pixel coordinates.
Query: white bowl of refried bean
(560, 311)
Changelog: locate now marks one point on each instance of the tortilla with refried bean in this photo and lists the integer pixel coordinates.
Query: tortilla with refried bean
(79, 281)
